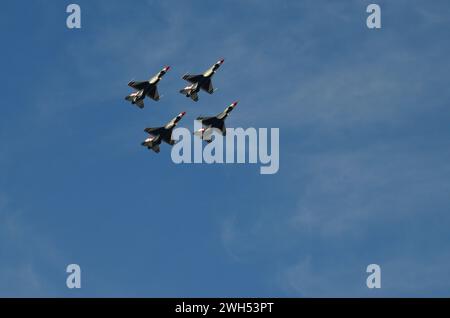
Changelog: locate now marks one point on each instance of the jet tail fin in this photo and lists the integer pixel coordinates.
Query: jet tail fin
(155, 148)
(194, 96)
(152, 146)
(140, 103)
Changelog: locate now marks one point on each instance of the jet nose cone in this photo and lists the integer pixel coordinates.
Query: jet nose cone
(182, 114)
(221, 61)
(166, 68)
(234, 104)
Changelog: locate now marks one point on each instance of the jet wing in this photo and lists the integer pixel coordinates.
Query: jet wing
(207, 87)
(153, 93)
(213, 123)
(192, 78)
(168, 139)
(206, 120)
(138, 85)
(158, 132)
(154, 131)
(221, 128)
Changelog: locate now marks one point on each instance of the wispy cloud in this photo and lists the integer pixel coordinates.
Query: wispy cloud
(363, 119)
(27, 256)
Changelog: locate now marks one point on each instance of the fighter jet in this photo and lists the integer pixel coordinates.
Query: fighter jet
(211, 123)
(146, 88)
(202, 81)
(161, 134)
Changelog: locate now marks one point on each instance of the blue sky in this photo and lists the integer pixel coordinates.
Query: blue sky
(364, 156)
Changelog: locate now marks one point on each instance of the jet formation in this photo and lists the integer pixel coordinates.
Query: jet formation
(198, 82)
